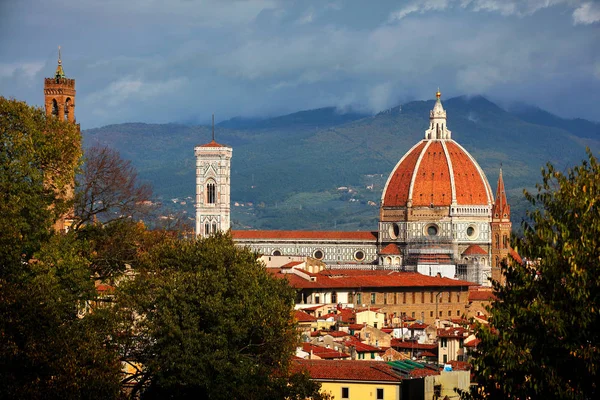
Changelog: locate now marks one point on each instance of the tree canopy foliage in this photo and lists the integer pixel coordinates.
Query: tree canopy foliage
(38, 157)
(48, 349)
(543, 338)
(210, 322)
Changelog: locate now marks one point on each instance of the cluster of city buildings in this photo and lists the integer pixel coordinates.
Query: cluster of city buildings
(379, 311)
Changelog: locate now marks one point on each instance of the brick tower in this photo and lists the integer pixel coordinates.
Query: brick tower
(213, 199)
(501, 228)
(59, 93)
(59, 101)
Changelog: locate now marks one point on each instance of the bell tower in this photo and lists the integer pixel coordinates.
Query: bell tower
(59, 101)
(59, 94)
(501, 228)
(213, 185)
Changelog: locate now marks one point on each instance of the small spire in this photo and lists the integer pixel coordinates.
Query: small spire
(438, 94)
(60, 73)
(501, 208)
(213, 127)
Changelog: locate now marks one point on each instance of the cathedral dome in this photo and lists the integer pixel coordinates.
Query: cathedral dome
(437, 172)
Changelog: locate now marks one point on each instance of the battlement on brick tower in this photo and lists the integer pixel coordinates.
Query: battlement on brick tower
(59, 94)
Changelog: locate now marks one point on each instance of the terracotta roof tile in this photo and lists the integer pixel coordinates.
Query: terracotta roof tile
(212, 144)
(453, 333)
(356, 327)
(400, 344)
(361, 347)
(474, 250)
(368, 279)
(515, 256)
(291, 264)
(102, 288)
(481, 295)
(470, 186)
(354, 370)
(472, 343)
(432, 183)
(323, 352)
(390, 249)
(398, 186)
(460, 365)
(301, 316)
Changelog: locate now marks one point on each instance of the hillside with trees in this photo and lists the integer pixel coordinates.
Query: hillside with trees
(289, 167)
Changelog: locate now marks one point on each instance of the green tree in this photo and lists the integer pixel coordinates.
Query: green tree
(543, 338)
(210, 322)
(38, 157)
(48, 347)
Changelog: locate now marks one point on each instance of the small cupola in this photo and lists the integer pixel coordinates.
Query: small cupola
(437, 121)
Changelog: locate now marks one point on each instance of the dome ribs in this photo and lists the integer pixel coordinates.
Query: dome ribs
(432, 182)
(470, 187)
(398, 186)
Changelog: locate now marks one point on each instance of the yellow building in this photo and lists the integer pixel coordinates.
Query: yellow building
(350, 379)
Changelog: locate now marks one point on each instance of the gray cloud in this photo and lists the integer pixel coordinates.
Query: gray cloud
(180, 61)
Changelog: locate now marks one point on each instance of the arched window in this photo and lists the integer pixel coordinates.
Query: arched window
(211, 193)
(497, 241)
(67, 105)
(207, 229)
(214, 227)
(504, 241)
(54, 108)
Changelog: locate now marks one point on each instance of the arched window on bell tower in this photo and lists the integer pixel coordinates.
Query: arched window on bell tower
(54, 107)
(211, 192)
(67, 106)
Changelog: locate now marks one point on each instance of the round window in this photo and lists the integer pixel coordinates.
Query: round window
(394, 231)
(432, 230)
(359, 255)
(276, 253)
(318, 254)
(470, 231)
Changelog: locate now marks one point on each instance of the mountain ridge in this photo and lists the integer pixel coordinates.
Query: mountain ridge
(293, 171)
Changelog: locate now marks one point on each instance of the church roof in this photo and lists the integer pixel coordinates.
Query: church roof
(474, 250)
(304, 235)
(212, 143)
(367, 279)
(390, 249)
(437, 172)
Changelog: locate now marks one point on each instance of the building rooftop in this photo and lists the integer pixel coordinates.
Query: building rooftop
(365, 279)
(348, 370)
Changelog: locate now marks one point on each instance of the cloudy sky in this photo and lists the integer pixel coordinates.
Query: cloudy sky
(181, 60)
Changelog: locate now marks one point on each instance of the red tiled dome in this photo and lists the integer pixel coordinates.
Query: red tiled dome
(434, 172)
